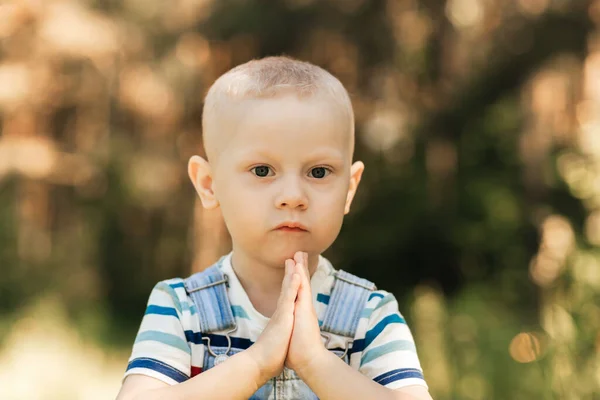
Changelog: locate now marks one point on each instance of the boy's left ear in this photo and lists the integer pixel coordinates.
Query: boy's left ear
(356, 171)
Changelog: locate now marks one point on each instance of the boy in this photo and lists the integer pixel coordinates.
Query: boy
(273, 319)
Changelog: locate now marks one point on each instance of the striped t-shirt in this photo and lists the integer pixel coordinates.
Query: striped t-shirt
(169, 347)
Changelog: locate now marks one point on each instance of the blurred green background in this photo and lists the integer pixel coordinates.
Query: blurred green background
(478, 122)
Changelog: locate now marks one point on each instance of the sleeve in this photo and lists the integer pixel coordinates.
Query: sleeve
(389, 355)
(161, 349)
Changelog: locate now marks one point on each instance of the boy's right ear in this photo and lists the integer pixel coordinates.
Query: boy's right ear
(201, 176)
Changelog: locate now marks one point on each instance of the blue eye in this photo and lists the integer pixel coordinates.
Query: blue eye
(319, 172)
(261, 171)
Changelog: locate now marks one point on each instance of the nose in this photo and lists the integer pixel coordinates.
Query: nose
(291, 194)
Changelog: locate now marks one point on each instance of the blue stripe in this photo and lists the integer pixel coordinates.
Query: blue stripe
(395, 345)
(191, 308)
(377, 329)
(221, 341)
(158, 366)
(193, 337)
(398, 374)
(357, 346)
(387, 299)
(165, 338)
(323, 298)
(152, 309)
(239, 312)
(164, 287)
(177, 285)
(366, 312)
(374, 294)
(218, 340)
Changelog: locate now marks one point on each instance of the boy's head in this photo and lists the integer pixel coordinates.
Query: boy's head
(279, 139)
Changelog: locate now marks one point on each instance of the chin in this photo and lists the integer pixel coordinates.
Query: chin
(278, 257)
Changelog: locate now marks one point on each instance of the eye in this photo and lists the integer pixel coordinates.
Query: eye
(261, 171)
(319, 172)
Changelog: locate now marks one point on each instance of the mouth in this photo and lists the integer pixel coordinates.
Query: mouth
(291, 227)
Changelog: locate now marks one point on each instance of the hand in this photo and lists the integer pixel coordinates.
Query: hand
(271, 348)
(306, 344)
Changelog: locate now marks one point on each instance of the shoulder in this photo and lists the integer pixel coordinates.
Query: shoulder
(173, 286)
(170, 293)
(381, 298)
(382, 323)
(381, 306)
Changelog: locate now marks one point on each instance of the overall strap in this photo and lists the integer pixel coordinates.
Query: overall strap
(348, 298)
(208, 289)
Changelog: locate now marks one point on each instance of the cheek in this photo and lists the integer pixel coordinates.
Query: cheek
(330, 213)
(242, 209)
(331, 202)
(328, 231)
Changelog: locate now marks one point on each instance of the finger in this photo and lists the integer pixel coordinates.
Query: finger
(300, 261)
(289, 289)
(304, 292)
(303, 259)
(298, 257)
(302, 267)
(287, 301)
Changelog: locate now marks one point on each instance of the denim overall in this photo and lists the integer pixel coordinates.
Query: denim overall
(208, 290)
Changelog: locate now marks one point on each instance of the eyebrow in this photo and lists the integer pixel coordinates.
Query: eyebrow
(326, 155)
(314, 156)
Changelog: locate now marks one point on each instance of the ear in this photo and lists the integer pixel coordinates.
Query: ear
(201, 176)
(356, 171)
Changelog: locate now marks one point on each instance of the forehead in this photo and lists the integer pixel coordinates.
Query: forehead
(288, 125)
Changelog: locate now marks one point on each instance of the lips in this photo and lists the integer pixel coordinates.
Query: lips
(291, 226)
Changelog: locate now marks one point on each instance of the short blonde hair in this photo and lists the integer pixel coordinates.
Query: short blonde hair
(269, 77)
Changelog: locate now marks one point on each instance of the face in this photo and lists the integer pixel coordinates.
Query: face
(283, 177)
